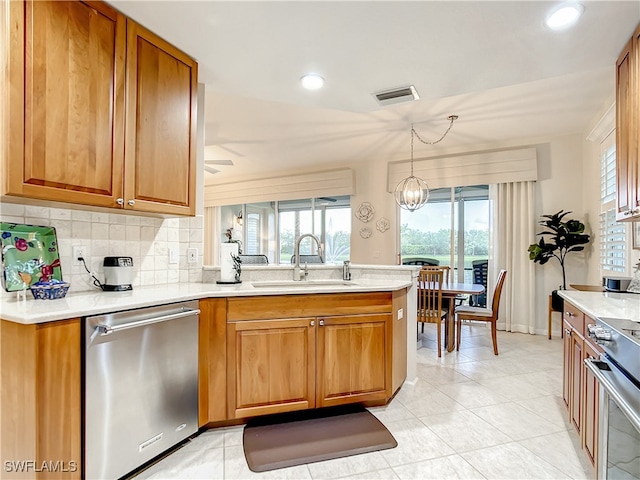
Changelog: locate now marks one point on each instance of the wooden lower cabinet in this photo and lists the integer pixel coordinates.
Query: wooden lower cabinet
(580, 390)
(577, 355)
(591, 405)
(41, 398)
(271, 366)
(352, 359)
(212, 361)
(312, 358)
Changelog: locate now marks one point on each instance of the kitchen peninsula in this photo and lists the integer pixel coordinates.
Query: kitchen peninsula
(348, 341)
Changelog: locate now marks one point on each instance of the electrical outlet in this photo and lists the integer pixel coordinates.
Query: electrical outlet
(79, 252)
(173, 255)
(192, 255)
(400, 313)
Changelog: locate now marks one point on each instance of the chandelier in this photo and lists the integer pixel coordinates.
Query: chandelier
(413, 192)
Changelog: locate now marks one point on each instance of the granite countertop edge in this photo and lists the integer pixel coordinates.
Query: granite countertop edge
(82, 304)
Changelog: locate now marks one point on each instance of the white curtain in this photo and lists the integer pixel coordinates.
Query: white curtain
(512, 231)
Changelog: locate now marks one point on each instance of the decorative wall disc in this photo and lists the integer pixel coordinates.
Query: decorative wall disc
(365, 212)
(382, 225)
(365, 232)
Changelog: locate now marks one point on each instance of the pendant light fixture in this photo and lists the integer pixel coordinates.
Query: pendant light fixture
(413, 192)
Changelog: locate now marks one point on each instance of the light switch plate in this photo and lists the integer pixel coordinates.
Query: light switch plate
(192, 255)
(173, 255)
(400, 313)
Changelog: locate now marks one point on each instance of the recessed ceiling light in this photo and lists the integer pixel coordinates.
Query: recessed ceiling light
(564, 15)
(312, 81)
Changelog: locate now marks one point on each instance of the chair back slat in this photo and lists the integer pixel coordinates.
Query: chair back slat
(495, 304)
(446, 269)
(430, 295)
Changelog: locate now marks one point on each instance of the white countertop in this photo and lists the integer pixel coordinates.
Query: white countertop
(83, 304)
(605, 304)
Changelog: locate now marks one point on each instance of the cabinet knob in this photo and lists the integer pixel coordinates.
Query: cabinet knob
(569, 314)
(321, 323)
(131, 202)
(120, 201)
(567, 332)
(313, 322)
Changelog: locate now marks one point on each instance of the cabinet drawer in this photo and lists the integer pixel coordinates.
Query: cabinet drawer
(319, 305)
(574, 317)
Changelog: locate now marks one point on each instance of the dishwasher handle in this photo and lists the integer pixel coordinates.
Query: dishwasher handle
(109, 329)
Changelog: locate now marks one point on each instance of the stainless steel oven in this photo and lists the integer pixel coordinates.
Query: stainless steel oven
(618, 372)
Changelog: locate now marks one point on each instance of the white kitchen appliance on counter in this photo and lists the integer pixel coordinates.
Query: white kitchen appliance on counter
(118, 274)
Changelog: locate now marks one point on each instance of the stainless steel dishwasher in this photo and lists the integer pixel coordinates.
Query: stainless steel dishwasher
(141, 386)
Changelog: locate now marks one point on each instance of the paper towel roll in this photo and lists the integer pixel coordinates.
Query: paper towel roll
(227, 272)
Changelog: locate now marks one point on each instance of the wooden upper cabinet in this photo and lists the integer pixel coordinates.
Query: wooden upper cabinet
(160, 155)
(71, 66)
(66, 102)
(627, 125)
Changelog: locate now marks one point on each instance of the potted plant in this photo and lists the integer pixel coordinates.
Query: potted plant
(559, 238)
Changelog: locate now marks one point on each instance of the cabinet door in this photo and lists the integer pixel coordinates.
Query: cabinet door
(624, 133)
(270, 366)
(577, 372)
(212, 361)
(590, 408)
(352, 355)
(41, 419)
(566, 364)
(160, 156)
(66, 102)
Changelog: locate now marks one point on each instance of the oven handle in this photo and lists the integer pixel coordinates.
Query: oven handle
(611, 391)
(109, 329)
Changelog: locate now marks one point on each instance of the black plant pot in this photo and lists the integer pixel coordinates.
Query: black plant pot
(557, 302)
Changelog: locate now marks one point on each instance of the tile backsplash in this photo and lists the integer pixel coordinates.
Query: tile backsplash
(148, 240)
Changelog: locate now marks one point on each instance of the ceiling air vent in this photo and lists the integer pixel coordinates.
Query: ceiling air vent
(397, 95)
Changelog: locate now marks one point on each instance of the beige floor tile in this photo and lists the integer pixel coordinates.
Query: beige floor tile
(439, 375)
(511, 461)
(195, 464)
(384, 474)
(416, 442)
(451, 467)
(546, 382)
(512, 387)
(392, 412)
(342, 467)
(549, 407)
(424, 399)
(471, 394)
(563, 451)
(516, 421)
(463, 431)
(477, 370)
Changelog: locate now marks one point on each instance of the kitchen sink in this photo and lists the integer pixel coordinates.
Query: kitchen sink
(302, 283)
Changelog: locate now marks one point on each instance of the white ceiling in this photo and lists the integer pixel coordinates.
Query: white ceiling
(492, 63)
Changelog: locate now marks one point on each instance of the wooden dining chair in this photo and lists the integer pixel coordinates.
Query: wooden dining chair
(482, 314)
(430, 300)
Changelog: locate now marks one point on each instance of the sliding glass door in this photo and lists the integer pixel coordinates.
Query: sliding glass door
(451, 229)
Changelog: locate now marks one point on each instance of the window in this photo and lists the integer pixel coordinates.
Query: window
(271, 228)
(451, 229)
(612, 234)
(329, 218)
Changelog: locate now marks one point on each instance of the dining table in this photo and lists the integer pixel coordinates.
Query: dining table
(450, 290)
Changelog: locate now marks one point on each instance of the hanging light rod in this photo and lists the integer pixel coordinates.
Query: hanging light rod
(412, 192)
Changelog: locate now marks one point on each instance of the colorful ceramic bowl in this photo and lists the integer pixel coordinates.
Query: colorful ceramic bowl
(49, 290)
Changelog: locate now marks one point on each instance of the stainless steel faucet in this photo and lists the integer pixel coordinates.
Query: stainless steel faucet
(346, 273)
(297, 274)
